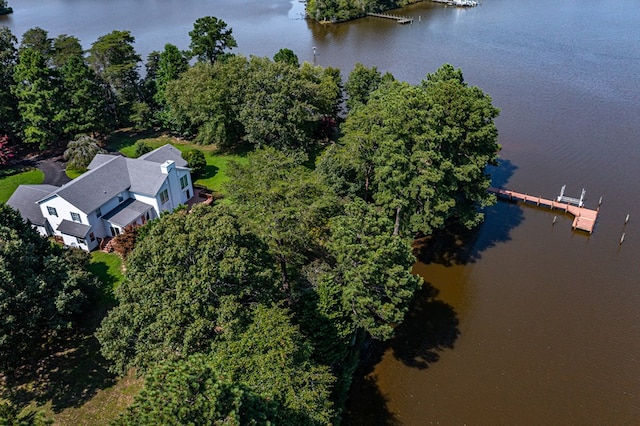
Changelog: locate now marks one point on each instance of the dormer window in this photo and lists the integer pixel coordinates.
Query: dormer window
(98, 212)
(120, 197)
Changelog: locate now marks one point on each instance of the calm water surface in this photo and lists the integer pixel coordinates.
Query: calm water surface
(533, 323)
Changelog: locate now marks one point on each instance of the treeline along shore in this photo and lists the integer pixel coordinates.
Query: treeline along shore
(255, 308)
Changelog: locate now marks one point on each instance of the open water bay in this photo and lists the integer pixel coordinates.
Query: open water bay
(533, 323)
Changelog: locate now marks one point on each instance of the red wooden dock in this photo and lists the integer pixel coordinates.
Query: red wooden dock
(584, 219)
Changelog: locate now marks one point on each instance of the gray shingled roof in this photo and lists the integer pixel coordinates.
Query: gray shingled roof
(24, 200)
(127, 212)
(91, 190)
(110, 175)
(74, 229)
(164, 153)
(146, 177)
(100, 159)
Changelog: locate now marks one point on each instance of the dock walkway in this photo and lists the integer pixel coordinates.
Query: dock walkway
(584, 219)
(398, 19)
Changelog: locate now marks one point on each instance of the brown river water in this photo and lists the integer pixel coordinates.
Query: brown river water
(532, 323)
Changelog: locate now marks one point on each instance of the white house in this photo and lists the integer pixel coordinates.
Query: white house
(115, 192)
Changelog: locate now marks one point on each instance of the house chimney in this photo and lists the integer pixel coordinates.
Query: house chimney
(167, 167)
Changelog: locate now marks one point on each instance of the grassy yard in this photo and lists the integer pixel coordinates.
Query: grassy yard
(108, 268)
(11, 179)
(215, 171)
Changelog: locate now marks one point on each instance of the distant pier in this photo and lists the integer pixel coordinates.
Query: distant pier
(459, 3)
(584, 219)
(398, 19)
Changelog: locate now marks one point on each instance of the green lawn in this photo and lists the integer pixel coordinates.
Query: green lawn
(10, 180)
(108, 268)
(215, 171)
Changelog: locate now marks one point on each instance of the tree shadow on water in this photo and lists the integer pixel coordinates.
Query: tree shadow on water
(456, 245)
(430, 327)
(368, 406)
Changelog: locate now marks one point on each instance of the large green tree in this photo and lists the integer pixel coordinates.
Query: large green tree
(8, 103)
(84, 109)
(212, 399)
(278, 108)
(171, 64)
(115, 61)
(463, 131)
(43, 289)
(273, 359)
(38, 98)
(38, 39)
(176, 277)
(258, 372)
(205, 101)
(66, 47)
(210, 38)
(285, 203)
(373, 269)
(419, 152)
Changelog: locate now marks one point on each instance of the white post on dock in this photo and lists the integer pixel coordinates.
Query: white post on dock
(561, 192)
(581, 203)
(626, 219)
(622, 238)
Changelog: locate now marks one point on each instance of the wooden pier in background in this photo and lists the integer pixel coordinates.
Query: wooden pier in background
(584, 219)
(398, 19)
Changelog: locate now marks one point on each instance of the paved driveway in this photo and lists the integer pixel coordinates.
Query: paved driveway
(53, 169)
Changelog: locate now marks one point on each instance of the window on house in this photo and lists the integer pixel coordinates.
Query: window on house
(92, 237)
(120, 197)
(164, 196)
(184, 181)
(81, 240)
(76, 217)
(98, 212)
(52, 211)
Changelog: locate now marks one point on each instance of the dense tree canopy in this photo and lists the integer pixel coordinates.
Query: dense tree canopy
(8, 103)
(38, 98)
(284, 203)
(115, 61)
(205, 101)
(176, 277)
(373, 269)
(210, 38)
(43, 289)
(257, 373)
(419, 152)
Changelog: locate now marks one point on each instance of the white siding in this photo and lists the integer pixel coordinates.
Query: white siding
(64, 209)
(187, 192)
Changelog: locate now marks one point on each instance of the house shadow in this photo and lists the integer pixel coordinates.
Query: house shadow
(456, 245)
